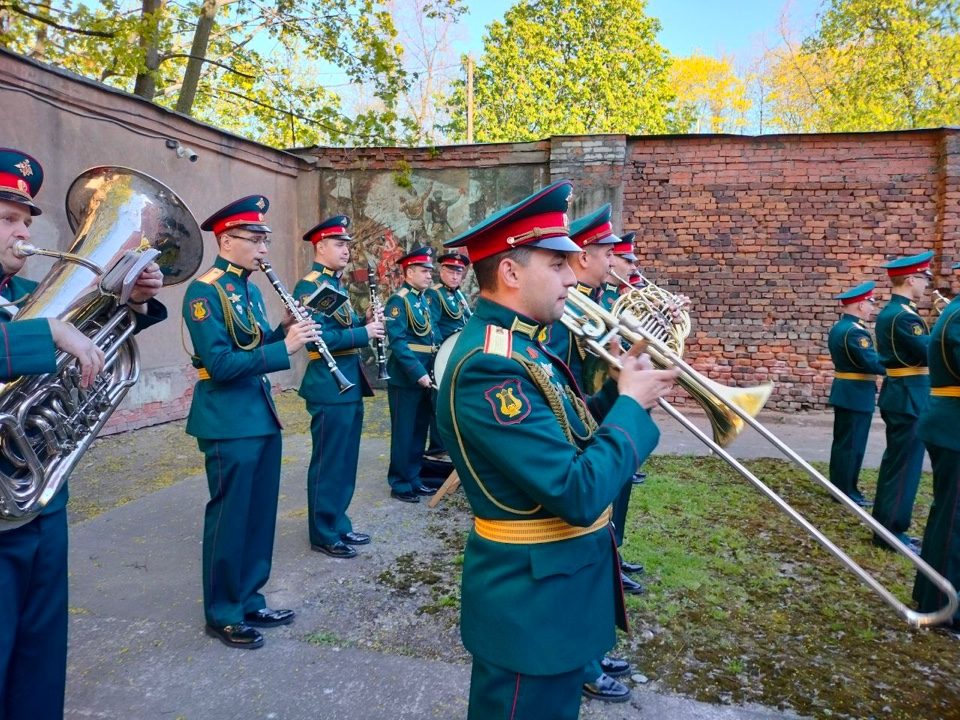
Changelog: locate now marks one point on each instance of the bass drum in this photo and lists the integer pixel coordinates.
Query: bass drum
(443, 357)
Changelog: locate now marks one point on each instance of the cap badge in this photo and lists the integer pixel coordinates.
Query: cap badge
(24, 167)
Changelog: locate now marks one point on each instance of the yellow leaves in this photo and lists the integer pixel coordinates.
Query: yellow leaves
(710, 89)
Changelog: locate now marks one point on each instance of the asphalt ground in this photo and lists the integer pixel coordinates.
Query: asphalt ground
(362, 645)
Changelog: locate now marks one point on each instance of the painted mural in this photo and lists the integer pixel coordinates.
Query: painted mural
(394, 211)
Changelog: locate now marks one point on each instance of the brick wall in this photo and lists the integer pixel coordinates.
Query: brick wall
(761, 232)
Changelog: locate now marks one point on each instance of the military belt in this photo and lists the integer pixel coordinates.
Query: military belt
(907, 372)
(854, 376)
(946, 391)
(422, 348)
(532, 532)
(203, 374)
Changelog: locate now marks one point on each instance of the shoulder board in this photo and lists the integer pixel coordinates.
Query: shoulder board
(312, 277)
(436, 286)
(858, 326)
(403, 292)
(210, 276)
(498, 341)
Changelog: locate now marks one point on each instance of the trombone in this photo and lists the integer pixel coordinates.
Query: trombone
(940, 301)
(729, 409)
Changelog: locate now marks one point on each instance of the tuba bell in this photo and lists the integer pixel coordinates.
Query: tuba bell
(123, 220)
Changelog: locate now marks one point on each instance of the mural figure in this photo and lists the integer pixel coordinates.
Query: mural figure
(412, 208)
(438, 207)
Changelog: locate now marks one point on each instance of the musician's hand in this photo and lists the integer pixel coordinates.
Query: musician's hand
(615, 347)
(290, 319)
(375, 330)
(299, 334)
(640, 381)
(148, 284)
(425, 381)
(72, 341)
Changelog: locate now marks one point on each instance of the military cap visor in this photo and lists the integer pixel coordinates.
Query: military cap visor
(859, 293)
(955, 266)
(538, 221)
(246, 213)
(337, 226)
(910, 265)
(21, 176)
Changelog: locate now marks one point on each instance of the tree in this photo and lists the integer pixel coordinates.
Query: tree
(710, 92)
(569, 67)
(871, 65)
(256, 72)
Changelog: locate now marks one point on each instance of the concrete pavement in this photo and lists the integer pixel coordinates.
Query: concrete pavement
(360, 648)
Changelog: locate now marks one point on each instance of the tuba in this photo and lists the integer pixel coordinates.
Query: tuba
(123, 220)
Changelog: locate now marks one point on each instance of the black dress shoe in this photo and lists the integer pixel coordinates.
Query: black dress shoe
(265, 617)
(424, 490)
(614, 667)
(639, 478)
(631, 586)
(240, 635)
(404, 496)
(632, 568)
(339, 549)
(355, 538)
(607, 689)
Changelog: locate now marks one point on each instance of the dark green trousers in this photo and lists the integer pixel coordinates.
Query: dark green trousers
(410, 413)
(243, 477)
(851, 429)
(33, 605)
(500, 694)
(332, 475)
(899, 475)
(941, 538)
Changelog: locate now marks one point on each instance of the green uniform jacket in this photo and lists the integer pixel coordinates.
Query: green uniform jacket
(410, 331)
(519, 437)
(27, 346)
(344, 335)
(902, 339)
(609, 294)
(448, 309)
(852, 351)
(937, 423)
(235, 402)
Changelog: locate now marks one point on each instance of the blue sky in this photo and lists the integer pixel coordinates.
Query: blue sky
(719, 27)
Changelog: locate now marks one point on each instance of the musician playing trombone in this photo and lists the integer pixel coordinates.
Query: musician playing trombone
(336, 418)
(235, 421)
(902, 340)
(33, 557)
(938, 430)
(540, 596)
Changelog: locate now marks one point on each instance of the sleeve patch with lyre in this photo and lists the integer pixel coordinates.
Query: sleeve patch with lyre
(509, 404)
(199, 309)
(864, 342)
(498, 341)
(210, 276)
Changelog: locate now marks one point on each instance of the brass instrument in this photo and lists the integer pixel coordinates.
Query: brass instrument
(940, 301)
(302, 314)
(598, 326)
(376, 307)
(123, 220)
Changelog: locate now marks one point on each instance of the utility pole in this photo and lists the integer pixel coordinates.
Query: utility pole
(469, 99)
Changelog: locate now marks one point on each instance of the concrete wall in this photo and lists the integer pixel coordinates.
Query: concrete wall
(759, 232)
(70, 125)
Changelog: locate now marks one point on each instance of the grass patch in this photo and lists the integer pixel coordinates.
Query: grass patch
(743, 606)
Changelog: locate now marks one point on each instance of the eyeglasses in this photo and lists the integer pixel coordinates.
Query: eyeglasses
(257, 240)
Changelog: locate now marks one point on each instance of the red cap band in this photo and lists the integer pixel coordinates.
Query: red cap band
(14, 183)
(327, 232)
(598, 233)
(857, 298)
(244, 218)
(415, 260)
(908, 269)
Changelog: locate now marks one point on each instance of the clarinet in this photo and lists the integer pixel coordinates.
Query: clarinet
(304, 314)
(379, 351)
